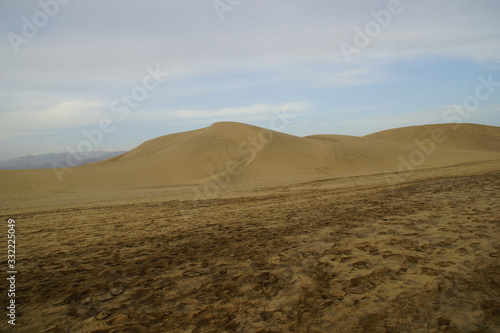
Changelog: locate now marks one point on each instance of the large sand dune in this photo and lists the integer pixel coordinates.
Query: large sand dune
(236, 153)
(250, 153)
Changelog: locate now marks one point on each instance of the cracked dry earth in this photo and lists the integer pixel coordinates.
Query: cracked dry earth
(416, 257)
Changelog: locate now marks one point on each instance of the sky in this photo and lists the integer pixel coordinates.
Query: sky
(108, 75)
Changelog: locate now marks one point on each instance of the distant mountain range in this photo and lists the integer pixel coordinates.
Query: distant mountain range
(45, 161)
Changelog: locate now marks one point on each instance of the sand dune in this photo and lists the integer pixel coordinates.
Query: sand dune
(459, 136)
(238, 153)
(249, 153)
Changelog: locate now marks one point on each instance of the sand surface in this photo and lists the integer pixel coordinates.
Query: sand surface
(341, 255)
(370, 250)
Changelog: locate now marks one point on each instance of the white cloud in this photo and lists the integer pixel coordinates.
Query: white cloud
(250, 110)
(71, 113)
(189, 38)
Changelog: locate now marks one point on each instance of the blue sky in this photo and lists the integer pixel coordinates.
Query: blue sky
(261, 58)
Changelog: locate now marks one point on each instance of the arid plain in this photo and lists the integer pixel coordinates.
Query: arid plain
(233, 228)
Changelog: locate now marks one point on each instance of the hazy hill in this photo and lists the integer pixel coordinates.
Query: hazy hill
(44, 161)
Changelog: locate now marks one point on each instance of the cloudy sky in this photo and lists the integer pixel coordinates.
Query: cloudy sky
(340, 67)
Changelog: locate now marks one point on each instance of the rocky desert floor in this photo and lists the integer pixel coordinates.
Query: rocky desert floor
(336, 255)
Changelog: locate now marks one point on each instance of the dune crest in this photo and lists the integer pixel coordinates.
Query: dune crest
(458, 136)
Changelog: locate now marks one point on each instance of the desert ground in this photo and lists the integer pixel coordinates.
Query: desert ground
(355, 247)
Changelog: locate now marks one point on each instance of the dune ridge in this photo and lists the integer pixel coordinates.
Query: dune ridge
(459, 136)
